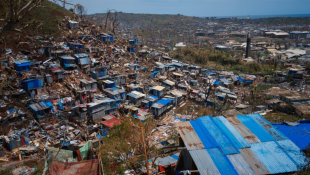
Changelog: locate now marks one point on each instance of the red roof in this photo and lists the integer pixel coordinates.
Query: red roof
(112, 122)
(56, 70)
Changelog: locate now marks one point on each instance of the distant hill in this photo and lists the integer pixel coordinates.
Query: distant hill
(152, 25)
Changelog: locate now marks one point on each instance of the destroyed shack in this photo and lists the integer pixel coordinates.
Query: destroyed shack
(135, 97)
(73, 24)
(157, 91)
(88, 85)
(33, 85)
(149, 101)
(99, 73)
(22, 66)
(134, 87)
(101, 108)
(41, 109)
(76, 47)
(160, 107)
(115, 93)
(119, 80)
(68, 62)
(83, 61)
(57, 74)
(168, 84)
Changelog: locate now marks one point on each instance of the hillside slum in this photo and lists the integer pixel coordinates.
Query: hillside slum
(60, 98)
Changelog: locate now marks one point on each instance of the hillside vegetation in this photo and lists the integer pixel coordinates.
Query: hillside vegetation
(207, 58)
(45, 20)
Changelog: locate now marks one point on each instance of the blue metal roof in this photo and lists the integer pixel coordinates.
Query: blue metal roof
(23, 64)
(297, 134)
(153, 96)
(240, 79)
(204, 162)
(155, 72)
(222, 162)
(48, 104)
(294, 152)
(273, 157)
(221, 139)
(164, 101)
(231, 133)
(204, 135)
(240, 164)
(268, 127)
(262, 135)
(217, 82)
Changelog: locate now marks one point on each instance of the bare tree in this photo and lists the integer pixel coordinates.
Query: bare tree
(106, 19)
(114, 20)
(81, 10)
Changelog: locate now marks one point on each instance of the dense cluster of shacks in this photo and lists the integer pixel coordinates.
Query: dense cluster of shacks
(69, 94)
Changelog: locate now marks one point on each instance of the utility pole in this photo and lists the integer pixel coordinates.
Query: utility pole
(146, 161)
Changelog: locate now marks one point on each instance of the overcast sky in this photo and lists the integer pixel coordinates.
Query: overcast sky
(200, 7)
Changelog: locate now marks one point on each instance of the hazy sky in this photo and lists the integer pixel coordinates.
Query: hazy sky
(200, 7)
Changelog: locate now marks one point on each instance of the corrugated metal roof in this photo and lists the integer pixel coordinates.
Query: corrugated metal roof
(243, 130)
(159, 88)
(204, 162)
(255, 128)
(273, 157)
(294, 152)
(189, 136)
(297, 134)
(84, 61)
(231, 133)
(221, 139)
(240, 164)
(267, 127)
(204, 135)
(222, 162)
(253, 161)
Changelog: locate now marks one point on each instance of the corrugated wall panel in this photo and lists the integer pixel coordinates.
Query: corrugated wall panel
(222, 162)
(204, 136)
(204, 162)
(294, 152)
(255, 128)
(253, 161)
(274, 159)
(189, 136)
(240, 164)
(243, 130)
(231, 133)
(221, 139)
(267, 127)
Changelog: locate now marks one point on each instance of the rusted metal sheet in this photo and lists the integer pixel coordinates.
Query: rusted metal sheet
(253, 161)
(189, 136)
(243, 130)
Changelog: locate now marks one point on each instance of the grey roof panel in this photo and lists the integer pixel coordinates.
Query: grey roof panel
(243, 130)
(253, 161)
(240, 164)
(204, 162)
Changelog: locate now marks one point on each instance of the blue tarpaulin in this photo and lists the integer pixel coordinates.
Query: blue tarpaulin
(240, 79)
(48, 104)
(297, 134)
(164, 101)
(217, 83)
